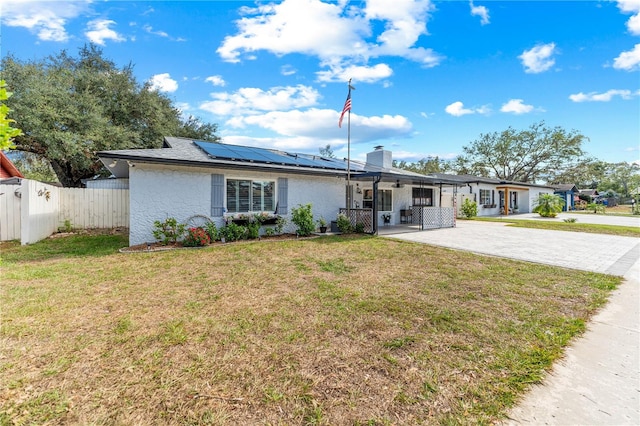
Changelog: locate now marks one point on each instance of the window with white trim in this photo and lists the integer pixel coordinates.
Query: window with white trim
(244, 196)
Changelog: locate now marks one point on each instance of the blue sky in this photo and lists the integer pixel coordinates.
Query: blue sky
(430, 77)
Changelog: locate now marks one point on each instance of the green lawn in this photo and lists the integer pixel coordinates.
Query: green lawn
(352, 330)
(624, 231)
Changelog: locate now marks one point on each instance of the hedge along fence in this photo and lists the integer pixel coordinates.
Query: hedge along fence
(32, 211)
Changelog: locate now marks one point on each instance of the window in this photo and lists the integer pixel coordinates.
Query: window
(485, 196)
(422, 196)
(385, 201)
(245, 196)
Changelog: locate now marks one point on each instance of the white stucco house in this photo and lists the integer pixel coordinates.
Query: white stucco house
(186, 178)
(494, 196)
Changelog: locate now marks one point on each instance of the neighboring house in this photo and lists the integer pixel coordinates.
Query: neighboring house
(593, 193)
(569, 193)
(186, 178)
(495, 196)
(7, 168)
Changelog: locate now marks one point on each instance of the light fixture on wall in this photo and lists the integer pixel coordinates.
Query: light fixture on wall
(113, 164)
(358, 189)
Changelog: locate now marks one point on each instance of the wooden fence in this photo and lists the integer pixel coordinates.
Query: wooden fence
(32, 210)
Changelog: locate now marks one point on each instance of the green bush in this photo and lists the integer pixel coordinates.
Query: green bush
(233, 232)
(344, 224)
(548, 205)
(302, 217)
(169, 231)
(469, 208)
(212, 231)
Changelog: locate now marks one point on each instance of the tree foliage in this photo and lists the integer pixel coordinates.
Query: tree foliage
(7, 131)
(327, 151)
(536, 154)
(69, 108)
(424, 166)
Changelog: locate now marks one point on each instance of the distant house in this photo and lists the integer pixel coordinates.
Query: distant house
(7, 168)
(495, 196)
(569, 193)
(593, 193)
(188, 178)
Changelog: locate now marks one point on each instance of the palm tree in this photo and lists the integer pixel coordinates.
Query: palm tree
(548, 205)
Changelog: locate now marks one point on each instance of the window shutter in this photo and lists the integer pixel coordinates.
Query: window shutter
(283, 196)
(493, 196)
(217, 195)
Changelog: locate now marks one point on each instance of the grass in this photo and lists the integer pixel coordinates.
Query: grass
(624, 231)
(334, 330)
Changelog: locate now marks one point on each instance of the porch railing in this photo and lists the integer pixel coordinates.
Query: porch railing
(356, 216)
(434, 217)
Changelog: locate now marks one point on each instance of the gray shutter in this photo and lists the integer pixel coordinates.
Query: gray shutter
(217, 195)
(283, 196)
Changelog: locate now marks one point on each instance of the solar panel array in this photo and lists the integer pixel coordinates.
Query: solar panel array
(267, 156)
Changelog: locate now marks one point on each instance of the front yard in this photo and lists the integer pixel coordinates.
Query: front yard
(331, 330)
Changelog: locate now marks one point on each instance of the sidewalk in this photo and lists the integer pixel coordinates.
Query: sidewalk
(598, 381)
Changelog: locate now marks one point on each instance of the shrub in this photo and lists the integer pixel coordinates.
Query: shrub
(302, 217)
(232, 232)
(570, 220)
(469, 208)
(360, 228)
(196, 237)
(344, 224)
(169, 231)
(212, 231)
(280, 223)
(548, 205)
(253, 228)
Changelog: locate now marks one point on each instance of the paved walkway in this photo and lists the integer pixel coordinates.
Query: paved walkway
(598, 381)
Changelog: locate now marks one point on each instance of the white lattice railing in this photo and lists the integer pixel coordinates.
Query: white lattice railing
(363, 216)
(434, 217)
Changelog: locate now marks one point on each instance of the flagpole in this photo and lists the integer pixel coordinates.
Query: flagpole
(349, 195)
(347, 109)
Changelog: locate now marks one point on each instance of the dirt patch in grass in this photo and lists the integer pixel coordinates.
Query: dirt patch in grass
(333, 330)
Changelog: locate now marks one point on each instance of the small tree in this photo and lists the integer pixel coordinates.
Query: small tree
(548, 205)
(302, 217)
(7, 133)
(469, 208)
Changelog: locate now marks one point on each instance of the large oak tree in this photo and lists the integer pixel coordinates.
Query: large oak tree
(69, 108)
(536, 154)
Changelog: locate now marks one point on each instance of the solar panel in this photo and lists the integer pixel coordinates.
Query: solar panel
(262, 155)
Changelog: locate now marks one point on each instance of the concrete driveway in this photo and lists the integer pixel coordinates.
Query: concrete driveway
(598, 381)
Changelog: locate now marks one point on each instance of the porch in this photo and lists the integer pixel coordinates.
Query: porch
(416, 218)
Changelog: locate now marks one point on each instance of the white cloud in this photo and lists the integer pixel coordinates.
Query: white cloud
(601, 97)
(98, 31)
(628, 61)
(339, 34)
(480, 11)
(163, 83)
(315, 127)
(149, 29)
(516, 106)
(216, 80)
(250, 100)
(46, 19)
(633, 7)
(539, 58)
(457, 109)
(288, 70)
(366, 74)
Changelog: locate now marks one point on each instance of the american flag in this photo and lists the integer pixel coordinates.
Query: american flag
(347, 107)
